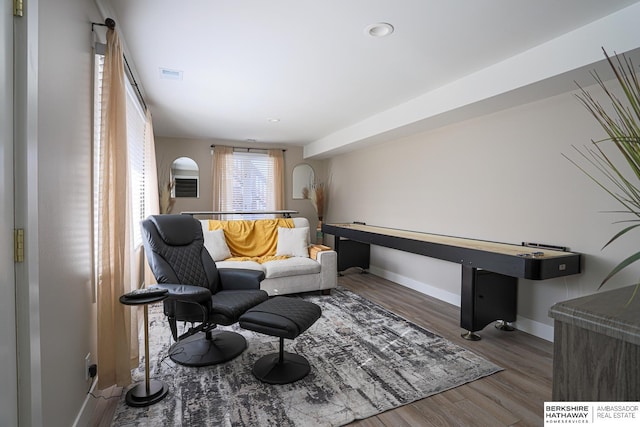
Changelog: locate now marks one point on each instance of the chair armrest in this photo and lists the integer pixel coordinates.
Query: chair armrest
(185, 293)
(240, 279)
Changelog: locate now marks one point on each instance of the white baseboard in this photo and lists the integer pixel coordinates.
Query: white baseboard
(523, 324)
(534, 328)
(88, 407)
(424, 288)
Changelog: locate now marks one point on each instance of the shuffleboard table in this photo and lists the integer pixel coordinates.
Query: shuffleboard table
(490, 270)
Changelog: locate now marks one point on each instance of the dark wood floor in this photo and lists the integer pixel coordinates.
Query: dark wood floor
(512, 397)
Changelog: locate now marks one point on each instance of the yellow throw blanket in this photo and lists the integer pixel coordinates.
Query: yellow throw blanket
(255, 240)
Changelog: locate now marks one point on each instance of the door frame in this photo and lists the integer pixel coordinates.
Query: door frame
(8, 335)
(25, 199)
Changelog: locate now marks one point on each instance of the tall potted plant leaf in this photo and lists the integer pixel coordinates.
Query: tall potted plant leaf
(621, 122)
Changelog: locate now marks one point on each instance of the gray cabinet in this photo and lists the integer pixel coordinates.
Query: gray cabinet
(597, 347)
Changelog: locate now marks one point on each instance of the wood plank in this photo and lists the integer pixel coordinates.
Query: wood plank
(106, 406)
(480, 403)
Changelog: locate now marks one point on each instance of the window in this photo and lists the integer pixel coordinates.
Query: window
(135, 142)
(252, 178)
(97, 114)
(253, 183)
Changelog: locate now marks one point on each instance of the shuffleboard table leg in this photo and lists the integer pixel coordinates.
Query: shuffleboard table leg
(504, 326)
(485, 297)
(471, 336)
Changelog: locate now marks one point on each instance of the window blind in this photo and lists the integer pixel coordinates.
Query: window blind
(135, 142)
(97, 115)
(186, 187)
(253, 183)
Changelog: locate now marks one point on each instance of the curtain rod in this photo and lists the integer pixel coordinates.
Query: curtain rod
(111, 24)
(249, 148)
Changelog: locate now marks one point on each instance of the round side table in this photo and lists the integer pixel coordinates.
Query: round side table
(151, 391)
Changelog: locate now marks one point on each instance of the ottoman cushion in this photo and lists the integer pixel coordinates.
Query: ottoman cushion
(281, 317)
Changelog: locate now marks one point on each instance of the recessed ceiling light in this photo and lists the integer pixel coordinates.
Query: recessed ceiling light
(250, 140)
(273, 120)
(381, 29)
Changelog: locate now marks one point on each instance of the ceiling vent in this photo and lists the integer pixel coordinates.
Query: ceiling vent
(167, 74)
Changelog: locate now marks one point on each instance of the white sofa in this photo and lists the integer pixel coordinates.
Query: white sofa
(299, 273)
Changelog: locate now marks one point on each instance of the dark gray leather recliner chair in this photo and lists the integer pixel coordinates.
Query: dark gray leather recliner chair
(198, 291)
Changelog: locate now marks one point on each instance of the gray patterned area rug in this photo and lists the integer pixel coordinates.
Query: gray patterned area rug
(364, 360)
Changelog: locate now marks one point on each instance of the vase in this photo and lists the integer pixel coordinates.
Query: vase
(319, 237)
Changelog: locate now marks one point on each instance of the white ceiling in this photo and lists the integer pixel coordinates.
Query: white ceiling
(310, 63)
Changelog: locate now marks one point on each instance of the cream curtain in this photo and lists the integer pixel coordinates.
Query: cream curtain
(222, 178)
(117, 337)
(277, 157)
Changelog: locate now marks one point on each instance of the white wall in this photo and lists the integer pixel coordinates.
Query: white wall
(61, 317)
(500, 177)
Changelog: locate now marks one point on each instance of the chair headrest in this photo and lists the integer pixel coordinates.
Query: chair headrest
(177, 230)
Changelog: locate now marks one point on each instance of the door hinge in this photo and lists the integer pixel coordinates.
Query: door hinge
(18, 245)
(18, 8)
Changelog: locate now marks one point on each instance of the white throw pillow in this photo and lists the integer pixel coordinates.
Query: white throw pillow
(293, 242)
(215, 243)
